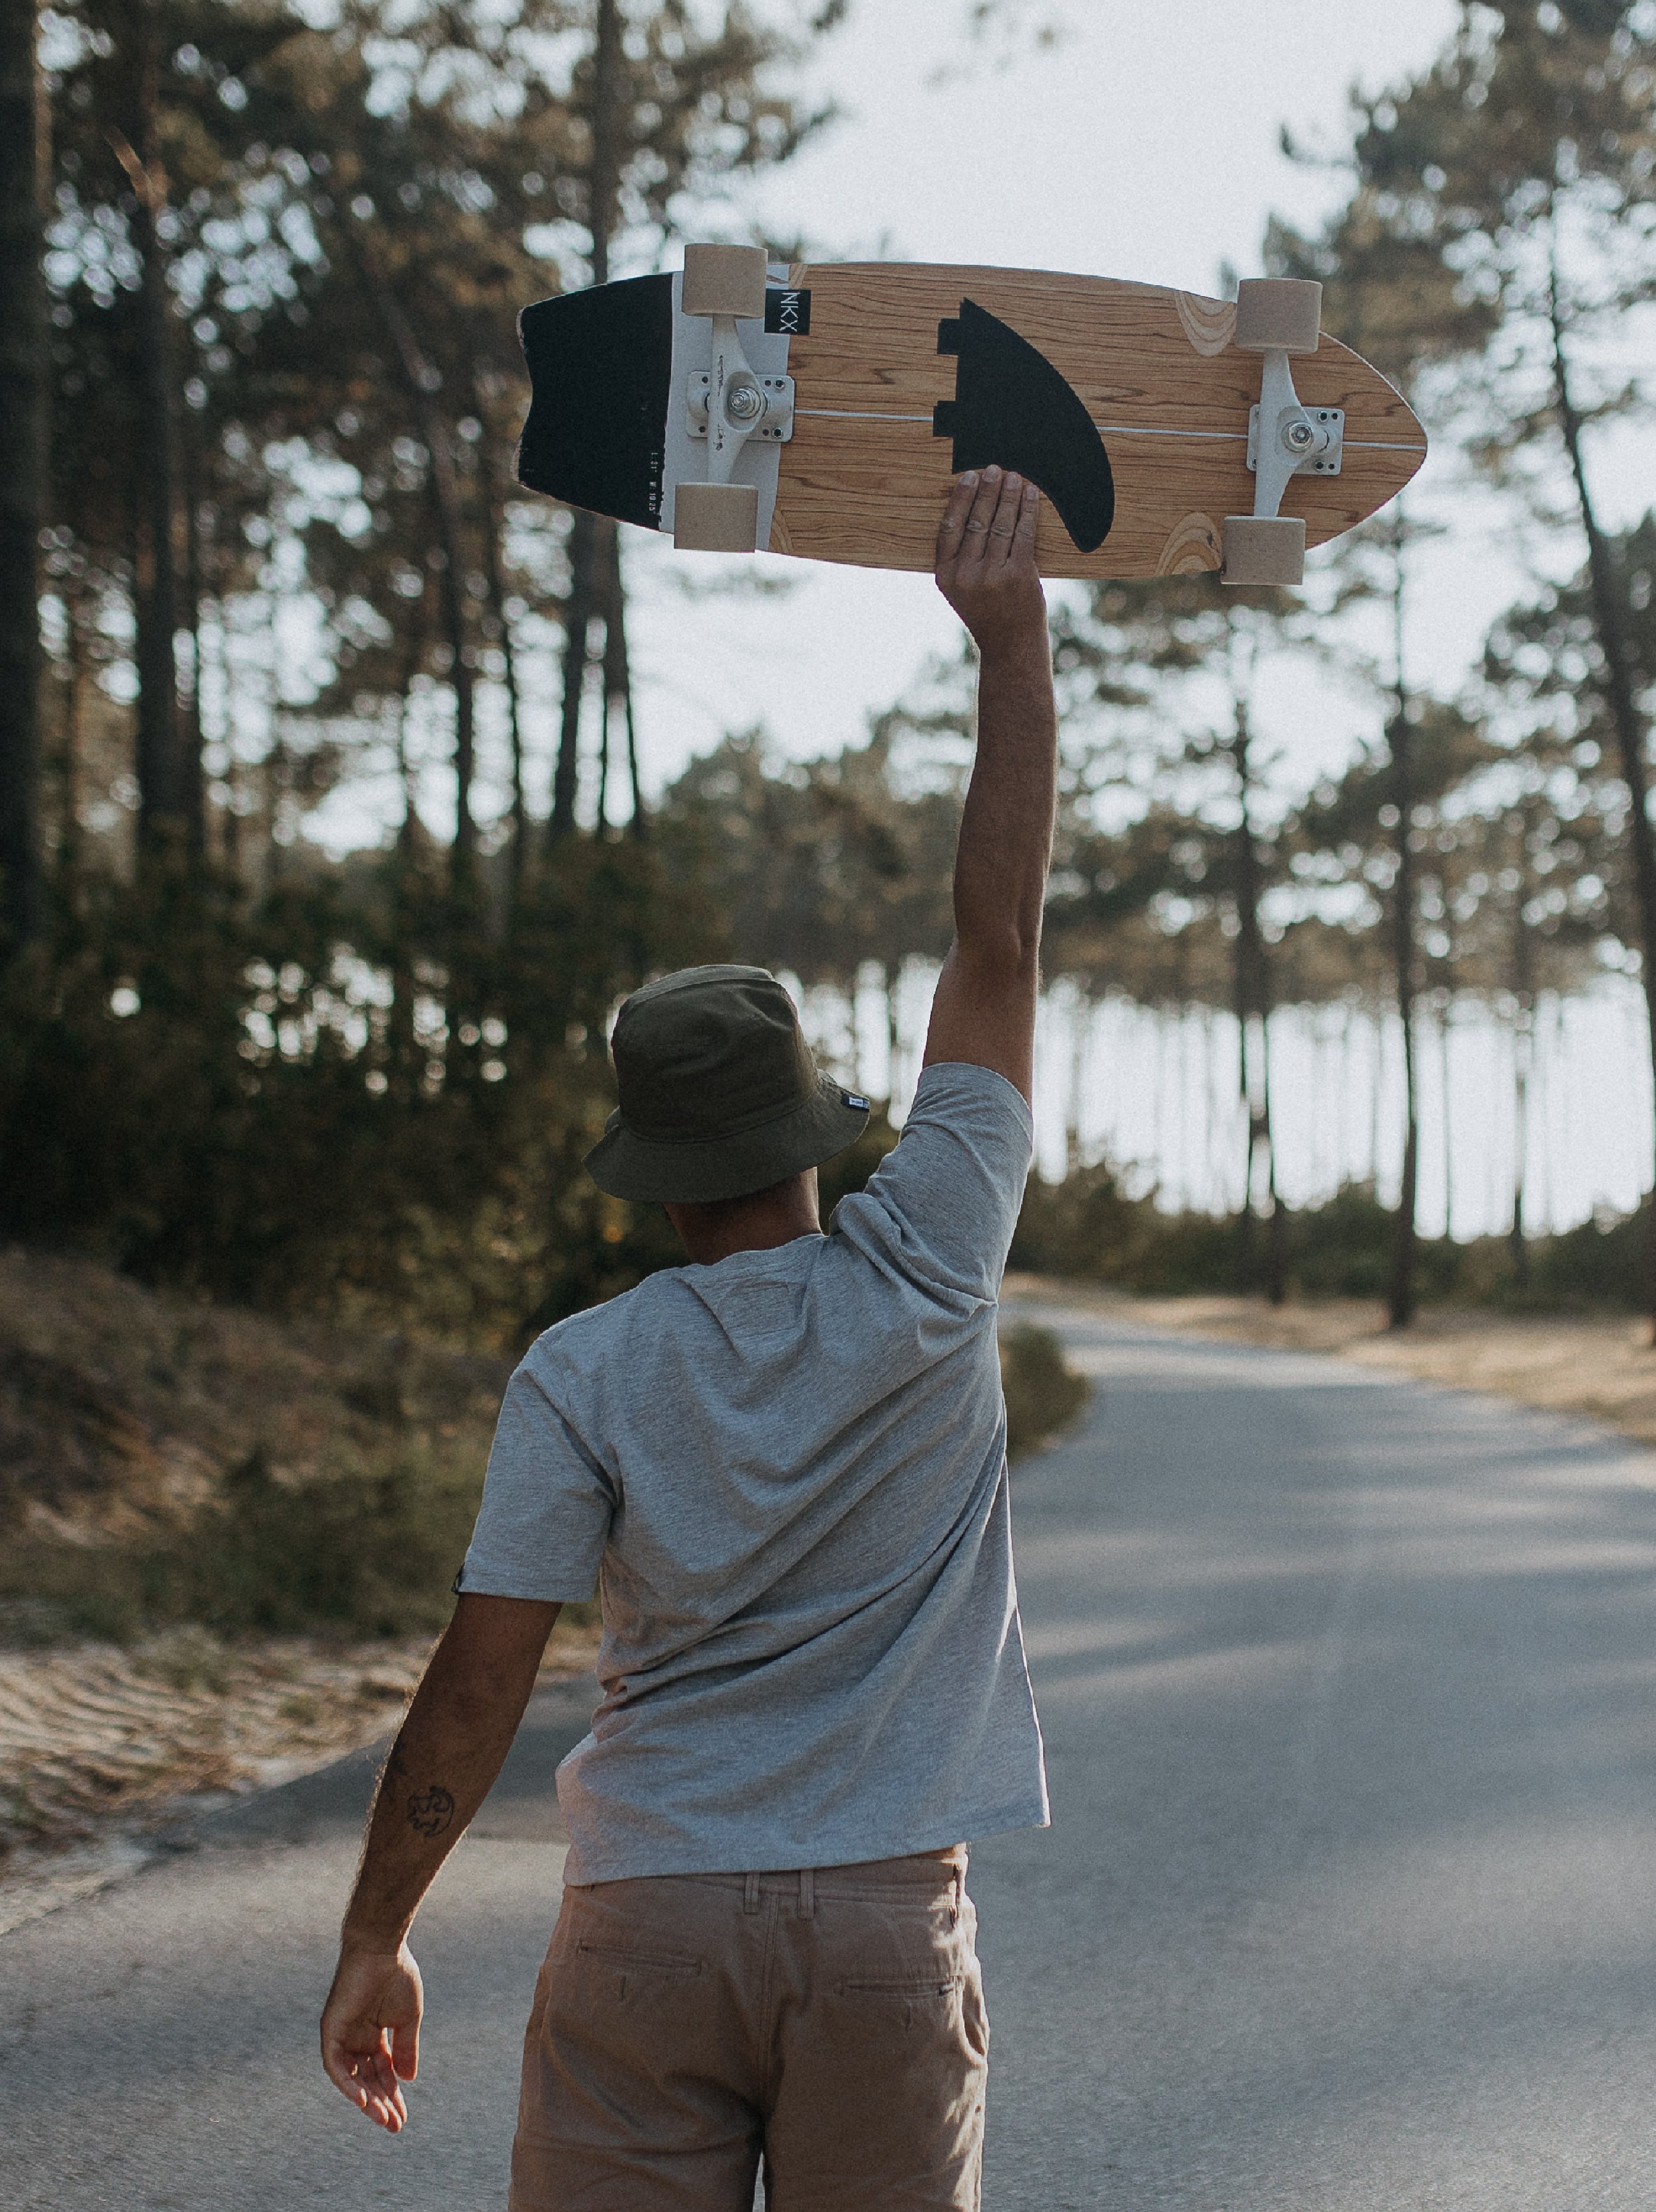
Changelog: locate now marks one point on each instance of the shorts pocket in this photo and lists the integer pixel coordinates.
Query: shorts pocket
(622, 1957)
(911, 1986)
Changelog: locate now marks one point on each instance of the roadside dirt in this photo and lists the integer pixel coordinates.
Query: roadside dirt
(1603, 1369)
(100, 1745)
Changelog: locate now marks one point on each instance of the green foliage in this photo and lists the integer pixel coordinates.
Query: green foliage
(824, 866)
(264, 1126)
(1087, 1229)
(1043, 1392)
(364, 1548)
(370, 1551)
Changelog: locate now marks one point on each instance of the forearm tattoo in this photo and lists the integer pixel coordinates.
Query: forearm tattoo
(430, 1812)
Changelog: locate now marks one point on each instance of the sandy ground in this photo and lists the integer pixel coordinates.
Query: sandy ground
(1603, 1369)
(100, 1746)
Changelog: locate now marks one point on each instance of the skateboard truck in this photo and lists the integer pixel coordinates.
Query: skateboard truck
(1276, 317)
(728, 403)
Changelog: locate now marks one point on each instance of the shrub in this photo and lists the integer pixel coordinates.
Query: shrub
(1087, 1229)
(1043, 1391)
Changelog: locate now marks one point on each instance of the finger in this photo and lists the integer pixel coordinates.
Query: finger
(366, 2081)
(342, 2069)
(986, 500)
(1023, 537)
(952, 528)
(1004, 519)
(405, 2049)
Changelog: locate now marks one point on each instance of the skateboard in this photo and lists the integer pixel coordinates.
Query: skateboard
(822, 409)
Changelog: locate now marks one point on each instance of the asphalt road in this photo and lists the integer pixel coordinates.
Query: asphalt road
(1348, 1686)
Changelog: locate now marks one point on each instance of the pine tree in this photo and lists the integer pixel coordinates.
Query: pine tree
(1524, 161)
(23, 432)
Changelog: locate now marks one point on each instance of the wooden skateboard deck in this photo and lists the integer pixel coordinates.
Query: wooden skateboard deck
(883, 416)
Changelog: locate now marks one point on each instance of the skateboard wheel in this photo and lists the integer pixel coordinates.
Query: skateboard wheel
(1278, 310)
(717, 518)
(724, 280)
(1261, 549)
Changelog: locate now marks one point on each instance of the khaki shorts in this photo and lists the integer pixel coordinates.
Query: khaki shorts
(831, 2021)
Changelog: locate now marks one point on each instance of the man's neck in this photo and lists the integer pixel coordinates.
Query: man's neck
(759, 1224)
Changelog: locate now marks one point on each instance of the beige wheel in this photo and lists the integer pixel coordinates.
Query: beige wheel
(724, 280)
(716, 518)
(1261, 549)
(1278, 310)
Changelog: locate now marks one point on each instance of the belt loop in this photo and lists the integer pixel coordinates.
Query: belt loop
(750, 1894)
(807, 1892)
(958, 1887)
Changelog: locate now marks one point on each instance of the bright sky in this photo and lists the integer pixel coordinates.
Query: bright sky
(1145, 146)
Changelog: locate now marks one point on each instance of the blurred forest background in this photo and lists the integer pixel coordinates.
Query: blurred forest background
(260, 542)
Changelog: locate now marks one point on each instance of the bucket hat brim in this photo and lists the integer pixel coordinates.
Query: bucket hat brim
(698, 1171)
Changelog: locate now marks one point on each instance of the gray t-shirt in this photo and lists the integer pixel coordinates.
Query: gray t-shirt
(789, 1472)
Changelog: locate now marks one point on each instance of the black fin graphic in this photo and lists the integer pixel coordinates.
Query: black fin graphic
(1012, 407)
(599, 365)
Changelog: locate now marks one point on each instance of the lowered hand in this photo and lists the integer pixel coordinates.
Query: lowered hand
(371, 2032)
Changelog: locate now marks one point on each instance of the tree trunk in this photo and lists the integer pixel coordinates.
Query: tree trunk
(1448, 1124)
(67, 856)
(1518, 1240)
(162, 808)
(1620, 697)
(518, 855)
(424, 382)
(1276, 1219)
(578, 611)
(192, 776)
(1400, 1296)
(405, 1070)
(25, 404)
(601, 811)
(1523, 1060)
(1080, 1015)
(893, 1038)
(588, 583)
(618, 678)
(605, 122)
(1253, 989)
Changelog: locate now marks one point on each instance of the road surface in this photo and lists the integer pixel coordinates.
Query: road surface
(1350, 1692)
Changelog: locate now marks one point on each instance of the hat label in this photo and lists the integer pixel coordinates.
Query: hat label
(852, 1099)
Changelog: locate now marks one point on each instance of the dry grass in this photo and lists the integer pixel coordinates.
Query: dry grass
(164, 1460)
(1601, 1368)
(119, 1405)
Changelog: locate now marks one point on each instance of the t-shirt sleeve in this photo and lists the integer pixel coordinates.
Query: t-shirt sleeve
(941, 1207)
(547, 1503)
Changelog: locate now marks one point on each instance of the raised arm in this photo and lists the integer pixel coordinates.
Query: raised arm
(442, 1765)
(984, 1007)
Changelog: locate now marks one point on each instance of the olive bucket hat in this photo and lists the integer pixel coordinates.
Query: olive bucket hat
(719, 1095)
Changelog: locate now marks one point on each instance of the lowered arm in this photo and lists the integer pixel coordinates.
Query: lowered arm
(442, 1765)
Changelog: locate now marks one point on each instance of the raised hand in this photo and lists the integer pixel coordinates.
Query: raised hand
(986, 559)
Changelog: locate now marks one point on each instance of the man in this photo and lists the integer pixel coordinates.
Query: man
(787, 1459)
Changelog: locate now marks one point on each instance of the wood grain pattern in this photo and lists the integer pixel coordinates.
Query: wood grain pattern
(1173, 417)
(1209, 325)
(1194, 542)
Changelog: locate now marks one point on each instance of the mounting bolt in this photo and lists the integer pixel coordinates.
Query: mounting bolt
(744, 403)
